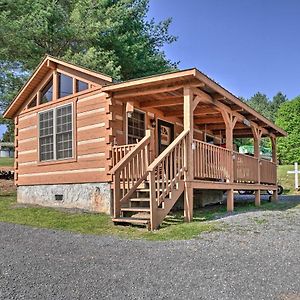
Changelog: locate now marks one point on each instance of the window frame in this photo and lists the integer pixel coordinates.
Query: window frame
(55, 160)
(145, 125)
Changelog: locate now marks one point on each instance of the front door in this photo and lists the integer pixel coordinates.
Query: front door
(165, 135)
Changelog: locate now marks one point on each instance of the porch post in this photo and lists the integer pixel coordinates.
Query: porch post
(274, 197)
(230, 121)
(188, 122)
(257, 133)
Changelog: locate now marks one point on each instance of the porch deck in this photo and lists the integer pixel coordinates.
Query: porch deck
(148, 178)
(149, 187)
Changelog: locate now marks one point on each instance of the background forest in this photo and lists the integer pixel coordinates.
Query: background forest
(110, 36)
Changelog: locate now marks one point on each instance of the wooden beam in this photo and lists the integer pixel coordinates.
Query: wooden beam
(209, 120)
(188, 123)
(162, 103)
(199, 111)
(222, 107)
(274, 197)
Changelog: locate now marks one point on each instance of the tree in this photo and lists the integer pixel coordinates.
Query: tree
(277, 101)
(110, 36)
(261, 104)
(288, 119)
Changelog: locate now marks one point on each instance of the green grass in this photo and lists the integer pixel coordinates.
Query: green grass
(89, 223)
(286, 180)
(173, 228)
(6, 162)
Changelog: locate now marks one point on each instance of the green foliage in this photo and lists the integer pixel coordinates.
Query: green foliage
(269, 109)
(288, 119)
(110, 36)
(6, 162)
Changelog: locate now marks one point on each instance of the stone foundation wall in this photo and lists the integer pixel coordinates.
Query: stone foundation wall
(95, 197)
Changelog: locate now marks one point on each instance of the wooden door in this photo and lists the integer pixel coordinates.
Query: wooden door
(165, 135)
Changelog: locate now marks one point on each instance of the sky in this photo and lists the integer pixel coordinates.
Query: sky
(245, 45)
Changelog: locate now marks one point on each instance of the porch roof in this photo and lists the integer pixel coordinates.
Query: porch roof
(165, 92)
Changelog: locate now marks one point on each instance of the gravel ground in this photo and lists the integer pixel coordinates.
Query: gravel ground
(257, 256)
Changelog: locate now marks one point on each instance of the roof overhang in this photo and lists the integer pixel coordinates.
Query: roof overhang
(176, 80)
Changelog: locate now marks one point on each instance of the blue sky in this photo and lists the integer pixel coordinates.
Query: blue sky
(245, 45)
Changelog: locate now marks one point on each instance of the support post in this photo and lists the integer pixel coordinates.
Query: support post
(274, 197)
(257, 133)
(230, 121)
(188, 122)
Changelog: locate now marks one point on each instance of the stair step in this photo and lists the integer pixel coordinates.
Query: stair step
(140, 200)
(136, 209)
(131, 220)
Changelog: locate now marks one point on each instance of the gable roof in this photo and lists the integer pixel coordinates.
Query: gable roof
(38, 74)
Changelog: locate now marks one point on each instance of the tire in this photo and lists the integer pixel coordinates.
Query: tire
(279, 190)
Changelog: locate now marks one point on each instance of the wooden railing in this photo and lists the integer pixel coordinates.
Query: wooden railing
(245, 168)
(166, 178)
(211, 162)
(118, 152)
(267, 172)
(130, 172)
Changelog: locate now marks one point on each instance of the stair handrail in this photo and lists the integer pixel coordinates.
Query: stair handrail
(166, 174)
(128, 174)
(133, 151)
(156, 161)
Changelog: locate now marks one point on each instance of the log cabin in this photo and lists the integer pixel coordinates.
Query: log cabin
(132, 149)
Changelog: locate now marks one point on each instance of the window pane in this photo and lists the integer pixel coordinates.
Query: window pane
(65, 85)
(46, 135)
(64, 133)
(32, 103)
(136, 127)
(47, 92)
(81, 86)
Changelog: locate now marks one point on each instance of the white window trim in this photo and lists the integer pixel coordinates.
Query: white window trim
(145, 125)
(54, 134)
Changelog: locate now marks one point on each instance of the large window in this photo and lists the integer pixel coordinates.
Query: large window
(47, 92)
(135, 126)
(65, 87)
(56, 133)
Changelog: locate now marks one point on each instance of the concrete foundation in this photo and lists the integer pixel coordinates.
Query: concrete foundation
(94, 197)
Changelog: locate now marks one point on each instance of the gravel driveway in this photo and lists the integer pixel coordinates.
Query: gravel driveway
(256, 257)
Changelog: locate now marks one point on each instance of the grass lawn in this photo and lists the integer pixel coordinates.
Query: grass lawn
(287, 180)
(6, 162)
(88, 223)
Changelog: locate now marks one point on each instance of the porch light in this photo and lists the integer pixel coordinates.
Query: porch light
(153, 123)
(247, 122)
(193, 146)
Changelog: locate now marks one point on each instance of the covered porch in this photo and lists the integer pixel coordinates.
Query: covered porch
(201, 108)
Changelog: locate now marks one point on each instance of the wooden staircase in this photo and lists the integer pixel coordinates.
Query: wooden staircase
(144, 190)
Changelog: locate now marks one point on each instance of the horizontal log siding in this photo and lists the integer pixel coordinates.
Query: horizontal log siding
(92, 145)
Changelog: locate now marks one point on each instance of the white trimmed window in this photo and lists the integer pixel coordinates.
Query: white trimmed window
(56, 133)
(136, 126)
